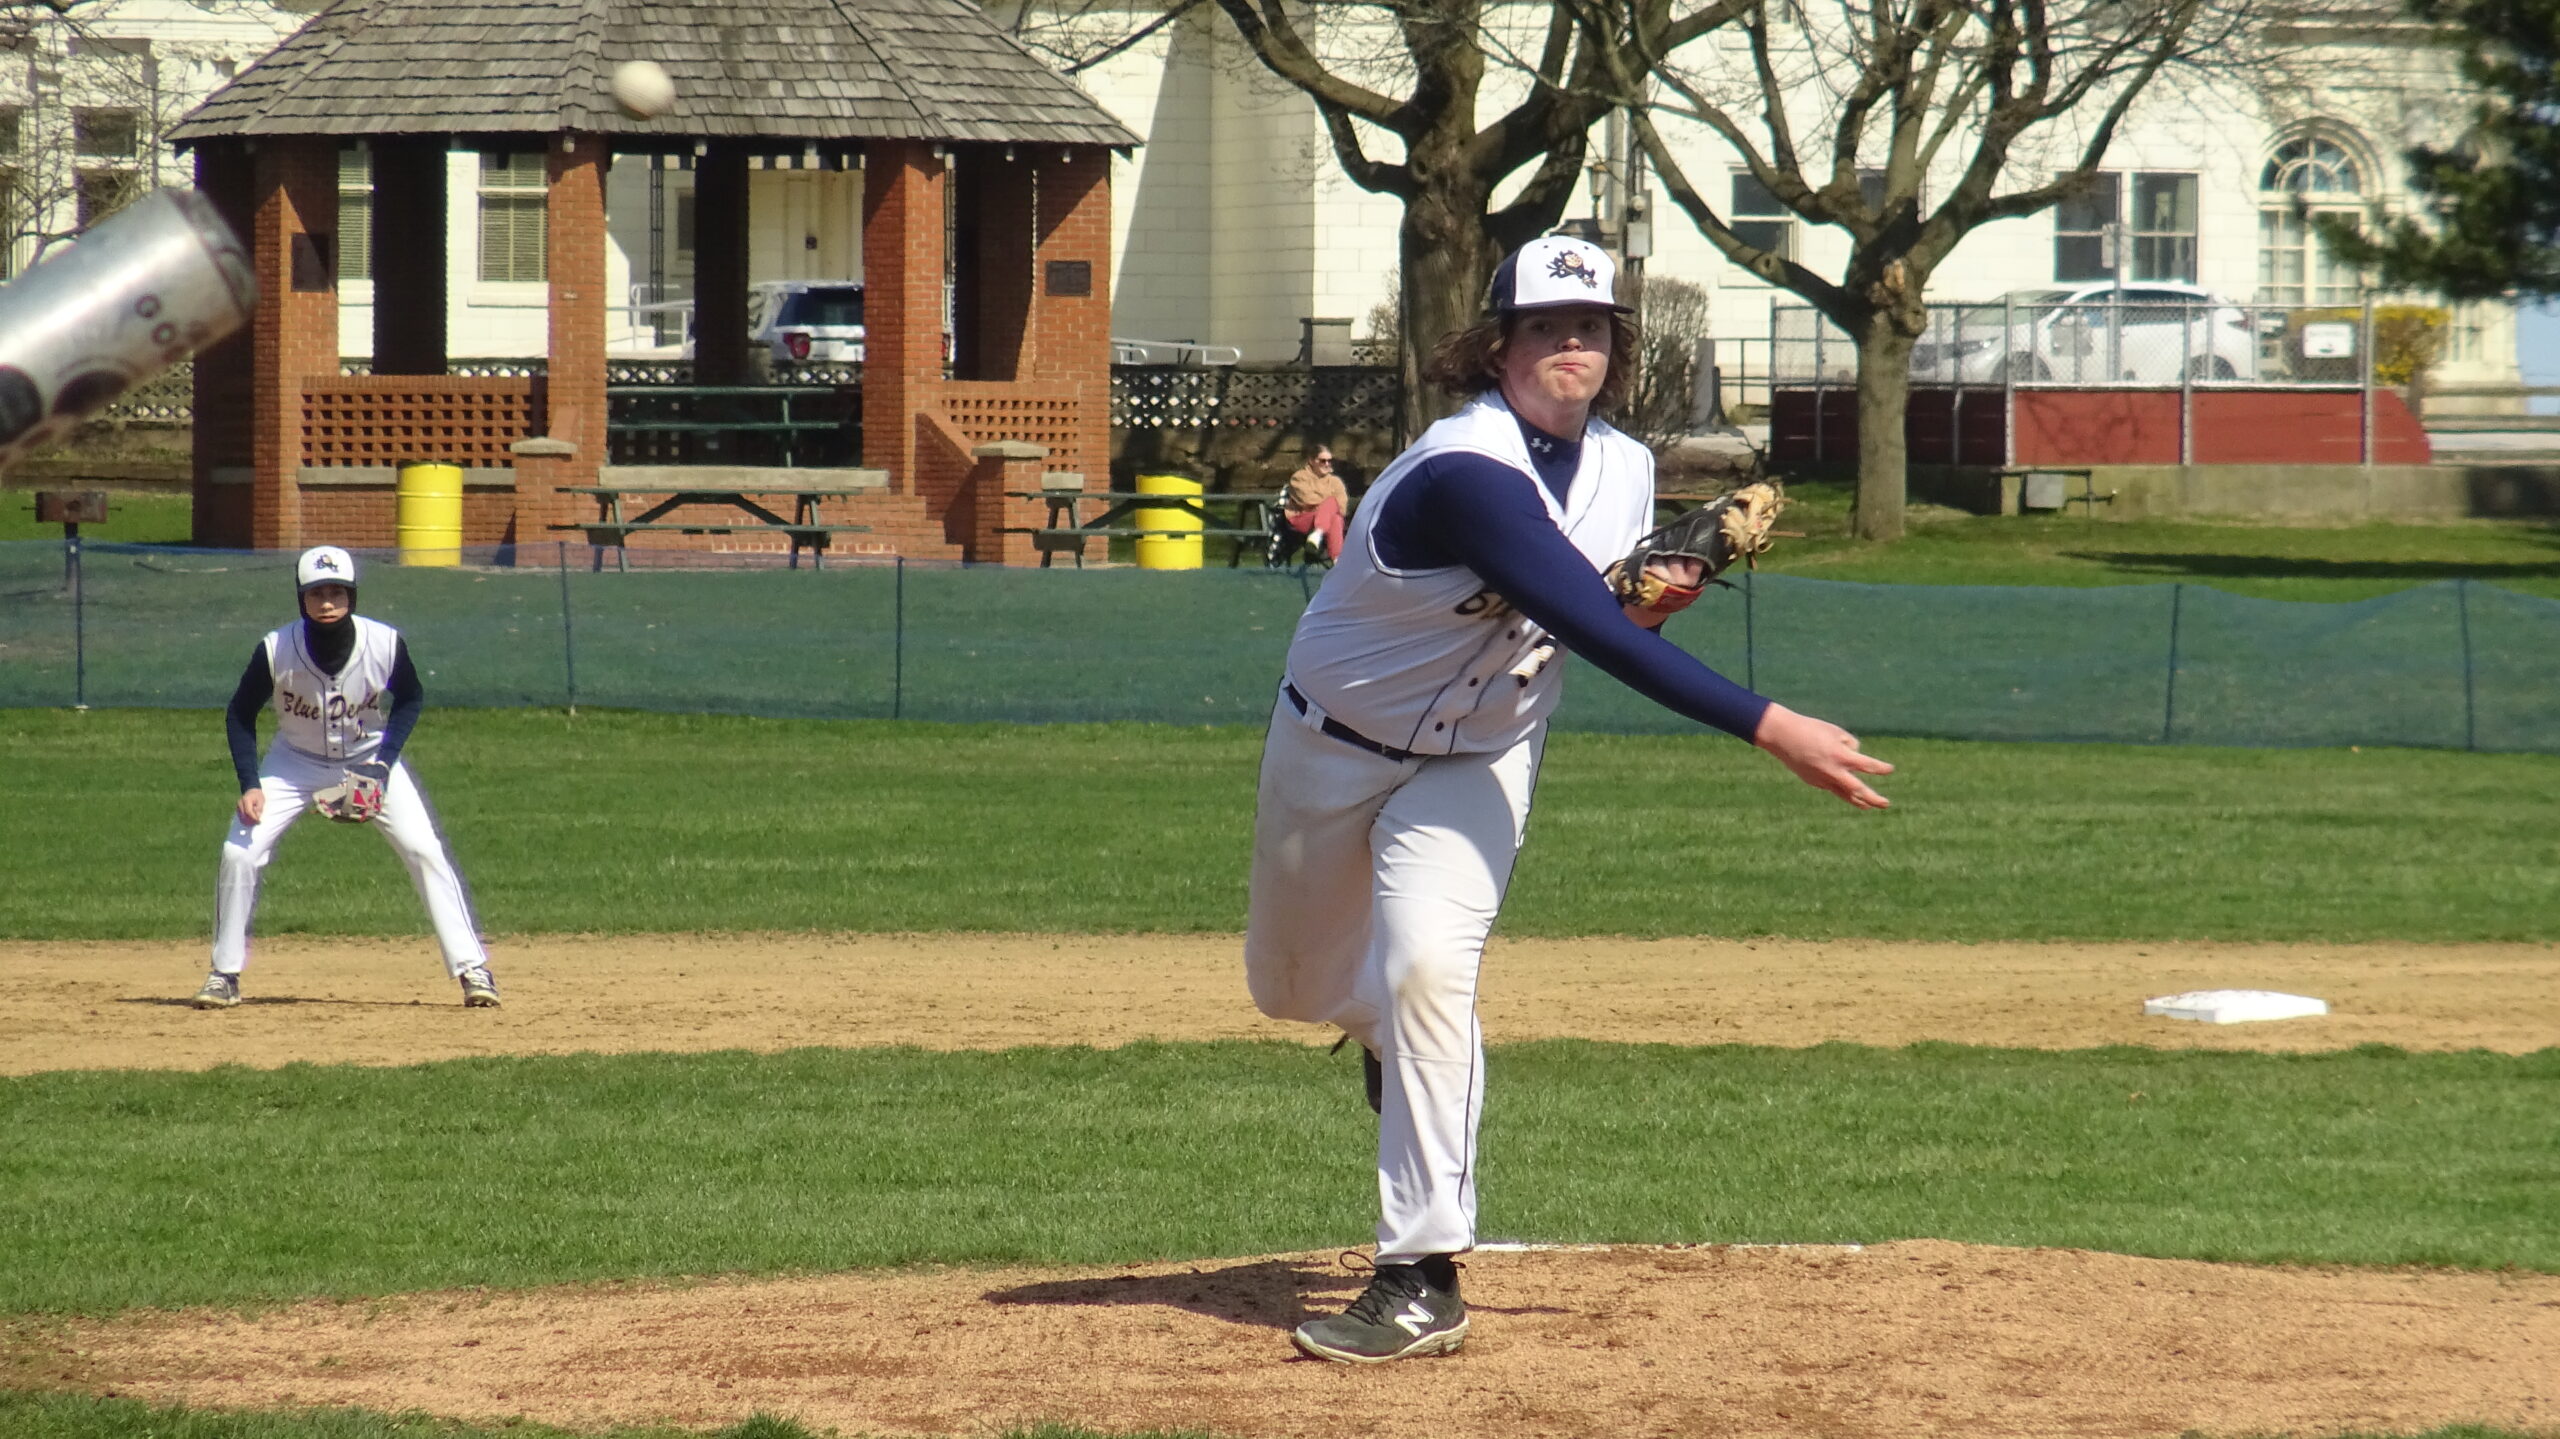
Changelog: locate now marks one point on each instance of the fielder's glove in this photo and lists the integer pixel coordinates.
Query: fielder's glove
(1728, 530)
(357, 796)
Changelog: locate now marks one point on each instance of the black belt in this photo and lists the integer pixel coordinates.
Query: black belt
(1346, 733)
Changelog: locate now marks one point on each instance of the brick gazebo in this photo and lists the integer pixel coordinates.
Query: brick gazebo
(928, 99)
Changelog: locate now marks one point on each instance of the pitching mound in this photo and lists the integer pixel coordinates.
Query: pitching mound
(1890, 1341)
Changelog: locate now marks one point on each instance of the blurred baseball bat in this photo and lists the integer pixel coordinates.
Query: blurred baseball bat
(135, 294)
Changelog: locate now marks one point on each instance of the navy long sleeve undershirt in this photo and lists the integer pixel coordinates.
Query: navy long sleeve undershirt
(1468, 509)
(258, 685)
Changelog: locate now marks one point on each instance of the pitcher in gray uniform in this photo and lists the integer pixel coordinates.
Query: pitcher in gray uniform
(346, 696)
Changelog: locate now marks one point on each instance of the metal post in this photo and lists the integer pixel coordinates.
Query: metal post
(2365, 347)
(2186, 388)
(2169, 706)
(568, 634)
(1750, 638)
(898, 661)
(2009, 382)
(79, 619)
(1818, 379)
(2470, 700)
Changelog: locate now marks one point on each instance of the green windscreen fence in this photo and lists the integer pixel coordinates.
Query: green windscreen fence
(2450, 665)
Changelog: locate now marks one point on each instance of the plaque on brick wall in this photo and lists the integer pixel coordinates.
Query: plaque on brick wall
(1070, 277)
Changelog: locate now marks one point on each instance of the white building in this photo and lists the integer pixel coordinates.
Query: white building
(1234, 222)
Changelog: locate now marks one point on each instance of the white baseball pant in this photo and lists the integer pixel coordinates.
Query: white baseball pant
(1375, 883)
(407, 823)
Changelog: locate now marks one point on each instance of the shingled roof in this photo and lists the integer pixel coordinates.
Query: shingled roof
(786, 70)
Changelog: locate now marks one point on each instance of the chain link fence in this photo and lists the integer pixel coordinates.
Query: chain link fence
(2456, 664)
(2146, 336)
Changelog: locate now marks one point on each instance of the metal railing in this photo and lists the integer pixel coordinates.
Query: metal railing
(2128, 338)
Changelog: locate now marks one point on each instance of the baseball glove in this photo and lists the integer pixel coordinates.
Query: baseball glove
(357, 796)
(1728, 530)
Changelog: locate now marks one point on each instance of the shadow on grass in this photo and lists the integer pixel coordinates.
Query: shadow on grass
(2293, 567)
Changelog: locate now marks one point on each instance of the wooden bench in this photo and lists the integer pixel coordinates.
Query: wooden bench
(731, 399)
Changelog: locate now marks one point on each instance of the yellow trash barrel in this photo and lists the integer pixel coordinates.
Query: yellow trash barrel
(430, 519)
(1167, 552)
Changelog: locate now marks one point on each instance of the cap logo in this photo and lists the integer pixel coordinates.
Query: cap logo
(326, 564)
(1570, 265)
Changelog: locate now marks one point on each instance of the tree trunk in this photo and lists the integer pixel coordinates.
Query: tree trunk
(1884, 453)
(1447, 264)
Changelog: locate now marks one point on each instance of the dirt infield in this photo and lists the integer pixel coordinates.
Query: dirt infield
(115, 1006)
(1892, 1340)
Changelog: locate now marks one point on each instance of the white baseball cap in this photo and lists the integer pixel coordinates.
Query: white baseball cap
(1556, 270)
(324, 565)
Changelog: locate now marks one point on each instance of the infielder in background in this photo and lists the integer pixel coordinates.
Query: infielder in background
(346, 697)
(1406, 739)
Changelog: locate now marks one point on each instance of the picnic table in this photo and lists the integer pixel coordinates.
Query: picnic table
(1065, 529)
(807, 527)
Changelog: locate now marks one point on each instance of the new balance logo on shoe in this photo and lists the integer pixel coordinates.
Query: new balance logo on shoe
(1401, 1315)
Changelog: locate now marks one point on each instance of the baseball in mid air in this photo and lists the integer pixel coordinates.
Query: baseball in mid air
(642, 88)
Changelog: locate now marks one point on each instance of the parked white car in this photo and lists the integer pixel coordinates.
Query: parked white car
(2150, 333)
(805, 322)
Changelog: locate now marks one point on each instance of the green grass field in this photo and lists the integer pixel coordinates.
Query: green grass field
(133, 517)
(243, 1187)
(620, 822)
(2279, 562)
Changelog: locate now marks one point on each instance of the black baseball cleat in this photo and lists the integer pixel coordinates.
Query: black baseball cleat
(479, 988)
(1401, 1315)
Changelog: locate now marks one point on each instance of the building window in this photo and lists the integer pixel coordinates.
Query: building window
(2080, 249)
(106, 134)
(685, 214)
(355, 214)
(9, 121)
(1751, 217)
(2160, 231)
(101, 193)
(513, 235)
(2164, 228)
(2303, 178)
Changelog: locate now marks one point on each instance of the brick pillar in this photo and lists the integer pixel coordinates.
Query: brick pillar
(1071, 333)
(573, 409)
(720, 267)
(902, 238)
(992, 289)
(409, 255)
(1001, 466)
(224, 374)
(294, 337)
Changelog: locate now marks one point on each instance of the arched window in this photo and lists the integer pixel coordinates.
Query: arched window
(2305, 176)
(2311, 166)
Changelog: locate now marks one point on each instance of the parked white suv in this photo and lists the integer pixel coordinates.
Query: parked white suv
(2149, 333)
(806, 322)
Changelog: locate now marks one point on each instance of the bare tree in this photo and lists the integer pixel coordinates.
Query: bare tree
(1402, 118)
(86, 135)
(1673, 316)
(1850, 116)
